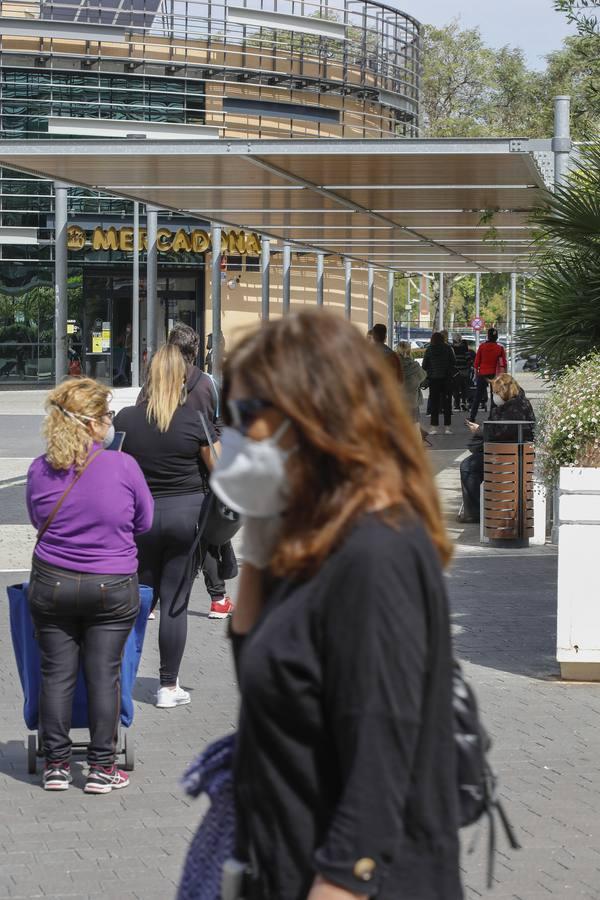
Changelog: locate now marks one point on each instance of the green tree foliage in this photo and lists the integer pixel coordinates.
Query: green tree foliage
(471, 90)
(581, 13)
(563, 310)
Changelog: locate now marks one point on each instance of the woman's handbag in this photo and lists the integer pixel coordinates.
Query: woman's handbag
(218, 523)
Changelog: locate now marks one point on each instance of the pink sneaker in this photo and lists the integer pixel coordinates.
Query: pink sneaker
(104, 779)
(220, 608)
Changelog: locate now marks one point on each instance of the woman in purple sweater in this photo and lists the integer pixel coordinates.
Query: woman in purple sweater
(83, 590)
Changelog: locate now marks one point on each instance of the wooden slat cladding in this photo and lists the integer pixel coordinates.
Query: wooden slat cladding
(508, 491)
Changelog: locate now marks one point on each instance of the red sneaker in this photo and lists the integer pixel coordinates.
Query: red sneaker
(104, 779)
(220, 608)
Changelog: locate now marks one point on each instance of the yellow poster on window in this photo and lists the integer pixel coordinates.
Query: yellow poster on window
(97, 343)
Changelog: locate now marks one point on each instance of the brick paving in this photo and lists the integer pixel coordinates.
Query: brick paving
(131, 844)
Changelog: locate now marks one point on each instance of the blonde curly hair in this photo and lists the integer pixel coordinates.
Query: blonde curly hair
(68, 407)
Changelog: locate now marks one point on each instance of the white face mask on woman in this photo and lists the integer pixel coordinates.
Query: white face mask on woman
(498, 400)
(250, 476)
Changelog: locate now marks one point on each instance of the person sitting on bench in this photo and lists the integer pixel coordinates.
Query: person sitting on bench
(511, 405)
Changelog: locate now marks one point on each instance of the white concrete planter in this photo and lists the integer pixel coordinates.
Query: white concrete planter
(578, 626)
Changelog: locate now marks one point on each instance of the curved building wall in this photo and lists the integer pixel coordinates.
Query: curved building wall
(253, 68)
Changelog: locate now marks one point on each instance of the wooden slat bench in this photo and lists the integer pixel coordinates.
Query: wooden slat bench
(507, 496)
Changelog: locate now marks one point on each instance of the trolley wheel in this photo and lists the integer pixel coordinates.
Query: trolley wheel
(129, 749)
(32, 753)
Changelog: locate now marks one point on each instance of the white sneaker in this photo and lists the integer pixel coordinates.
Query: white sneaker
(447, 431)
(433, 431)
(167, 698)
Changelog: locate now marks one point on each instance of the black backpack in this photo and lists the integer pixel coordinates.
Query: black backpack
(476, 781)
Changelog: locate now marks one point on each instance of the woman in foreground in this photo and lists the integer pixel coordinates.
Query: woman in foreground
(345, 771)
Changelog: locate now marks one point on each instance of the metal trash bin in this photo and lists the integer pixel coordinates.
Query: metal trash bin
(507, 502)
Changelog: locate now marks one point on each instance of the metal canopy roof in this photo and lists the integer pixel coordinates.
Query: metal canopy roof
(407, 204)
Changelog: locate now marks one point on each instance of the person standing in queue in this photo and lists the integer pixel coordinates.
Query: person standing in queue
(490, 361)
(88, 506)
(344, 773)
(219, 563)
(379, 337)
(167, 439)
(440, 364)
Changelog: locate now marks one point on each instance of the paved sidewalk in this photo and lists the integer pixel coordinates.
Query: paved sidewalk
(131, 844)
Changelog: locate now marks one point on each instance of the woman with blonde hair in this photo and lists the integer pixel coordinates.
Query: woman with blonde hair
(88, 505)
(414, 376)
(344, 771)
(167, 439)
(510, 405)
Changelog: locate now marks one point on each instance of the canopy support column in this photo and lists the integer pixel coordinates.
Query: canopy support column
(513, 322)
(477, 306)
(320, 261)
(348, 288)
(135, 300)
(287, 277)
(441, 304)
(216, 300)
(561, 142)
(390, 310)
(265, 269)
(60, 281)
(151, 282)
(370, 296)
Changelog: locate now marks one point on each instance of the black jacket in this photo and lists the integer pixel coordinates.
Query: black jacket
(518, 409)
(464, 357)
(345, 758)
(439, 362)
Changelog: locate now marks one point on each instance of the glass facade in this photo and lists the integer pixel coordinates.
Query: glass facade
(100, 282)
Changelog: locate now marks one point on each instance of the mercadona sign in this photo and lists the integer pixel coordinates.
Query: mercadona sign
(182, 240)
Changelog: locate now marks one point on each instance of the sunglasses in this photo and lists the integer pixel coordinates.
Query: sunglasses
(241, 414)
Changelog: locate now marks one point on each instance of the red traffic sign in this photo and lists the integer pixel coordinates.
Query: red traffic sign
(477, 324)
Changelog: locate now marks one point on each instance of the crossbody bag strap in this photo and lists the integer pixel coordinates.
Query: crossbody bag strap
(64, 496)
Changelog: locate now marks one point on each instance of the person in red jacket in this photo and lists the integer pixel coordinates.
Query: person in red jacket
(490, 361)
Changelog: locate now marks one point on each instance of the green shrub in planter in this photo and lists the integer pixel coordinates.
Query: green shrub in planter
(568, 429)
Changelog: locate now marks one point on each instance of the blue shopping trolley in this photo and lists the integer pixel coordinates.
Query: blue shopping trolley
(27, 655)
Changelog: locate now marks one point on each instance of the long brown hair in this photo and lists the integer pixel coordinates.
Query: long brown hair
(355, 435)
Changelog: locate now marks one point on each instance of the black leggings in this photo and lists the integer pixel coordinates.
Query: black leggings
(164, 565)
(83, 617)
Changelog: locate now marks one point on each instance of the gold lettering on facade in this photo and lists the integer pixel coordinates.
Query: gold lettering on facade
(75, 237)
(126, 239)
(233, 242)
(164, 239)
(181, 241)
(198, 241)
(105, 240)
(253, 244)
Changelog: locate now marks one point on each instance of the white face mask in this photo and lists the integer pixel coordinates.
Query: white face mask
(250, 476)
(109, 436)
(498, 400)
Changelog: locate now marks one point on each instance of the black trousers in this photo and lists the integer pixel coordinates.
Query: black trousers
(213, 581)
(480, 395)
(440, 392)
(471, 476)
(81, 618)
(165, 565)
(460, 383)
